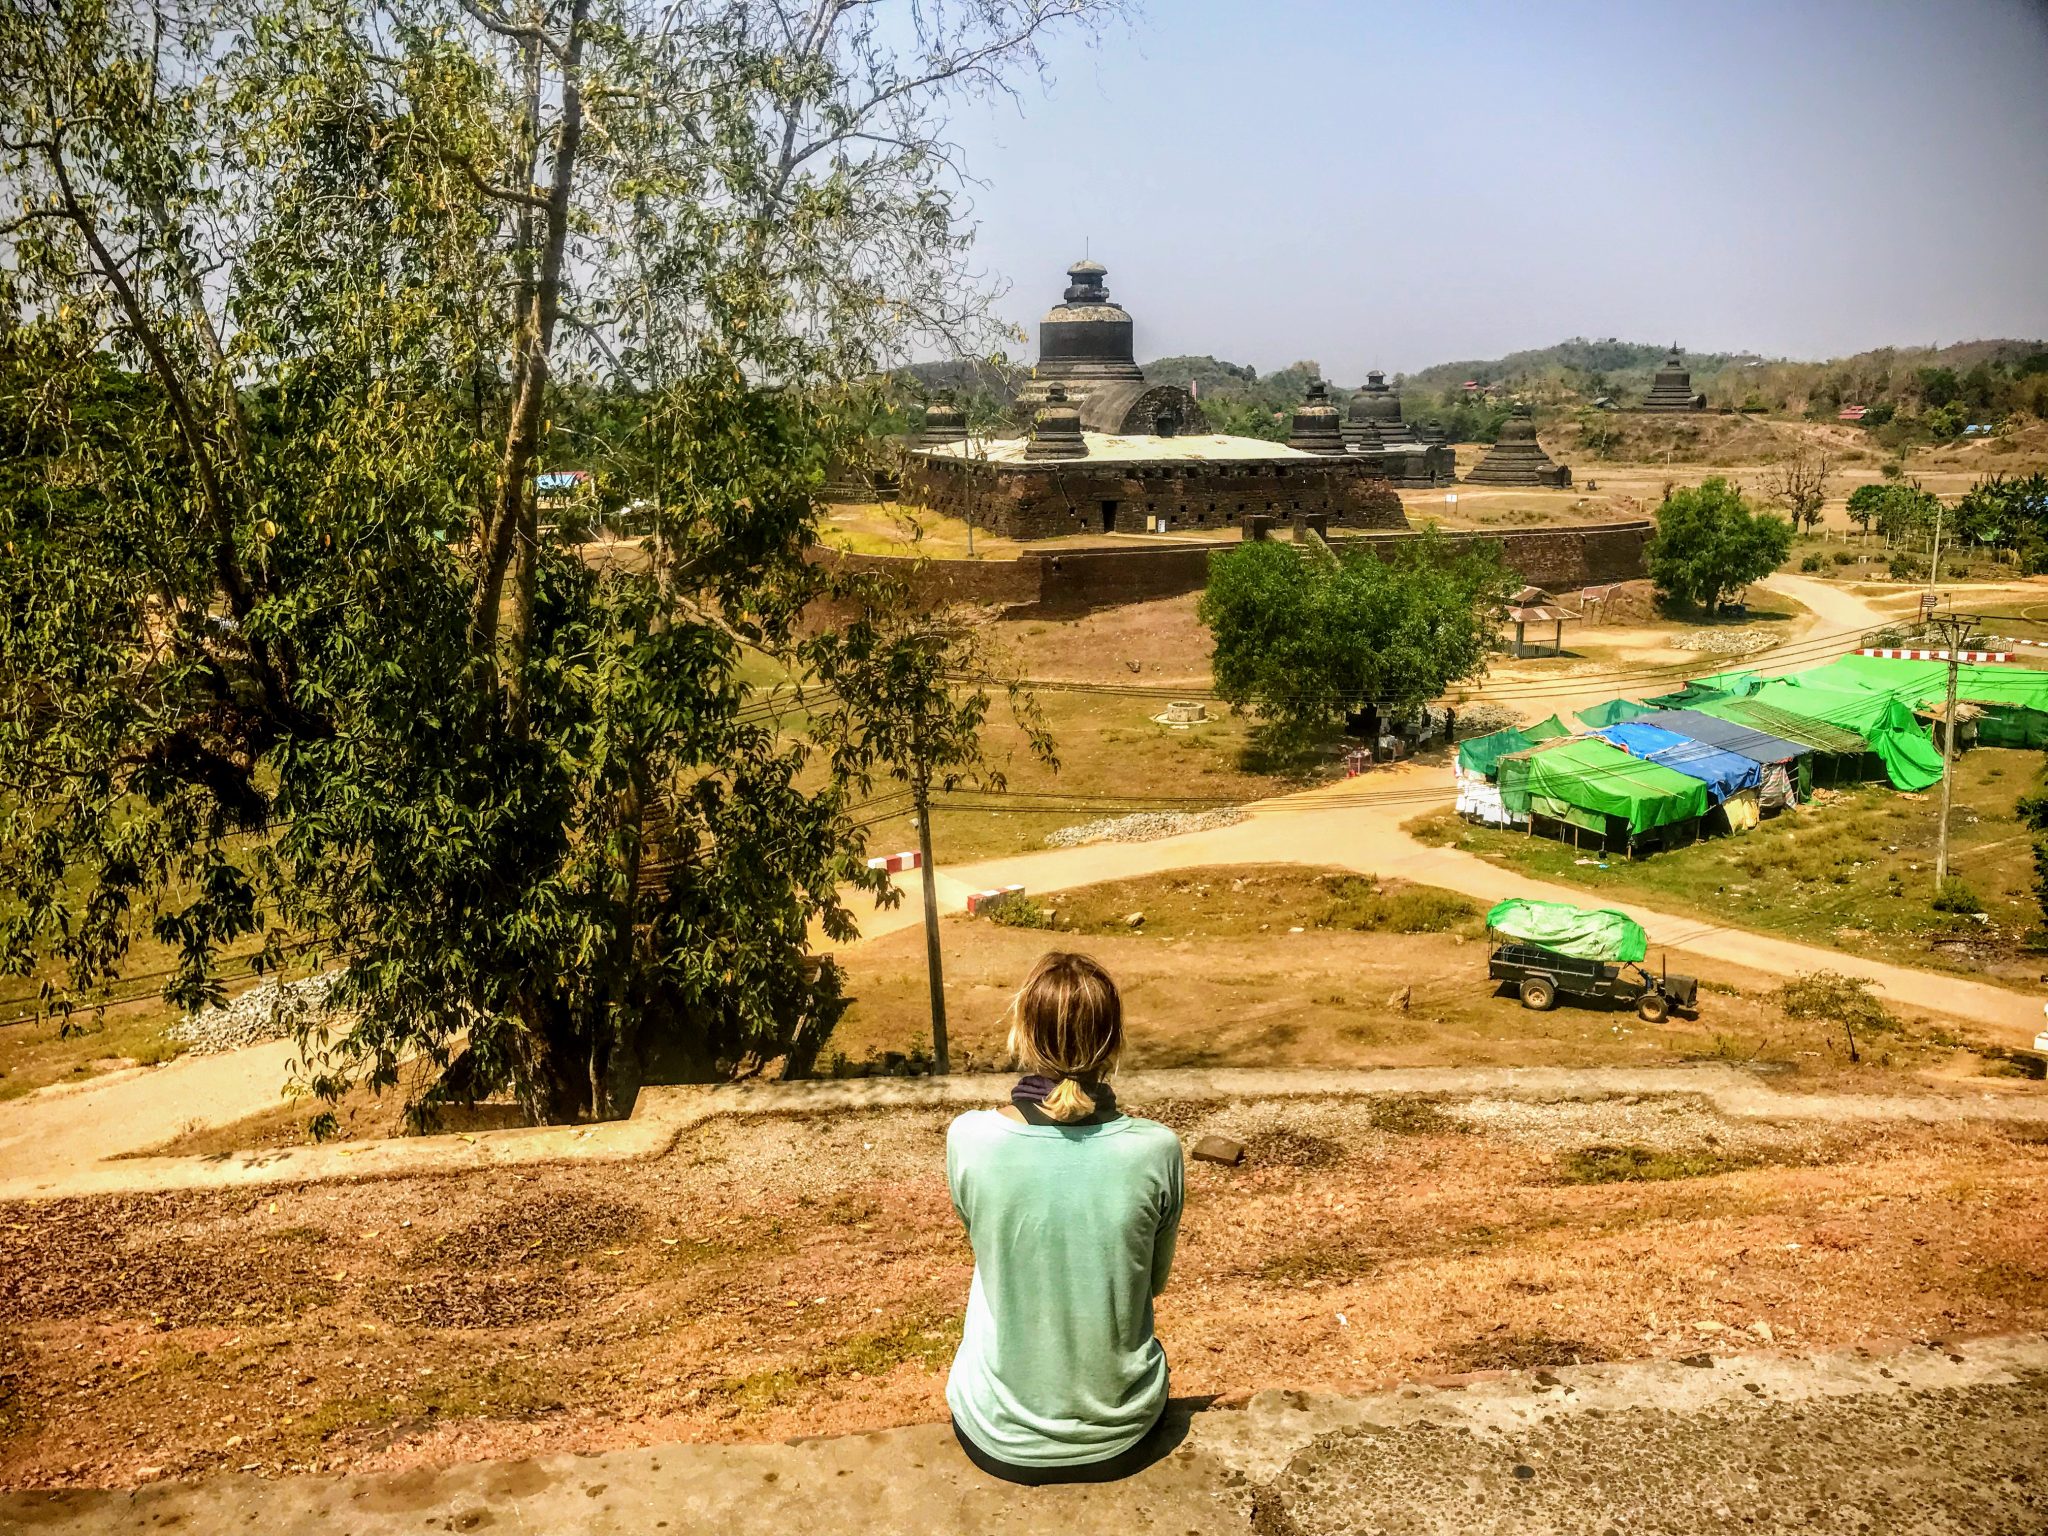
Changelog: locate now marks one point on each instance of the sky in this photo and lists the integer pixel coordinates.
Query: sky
(1373, 185)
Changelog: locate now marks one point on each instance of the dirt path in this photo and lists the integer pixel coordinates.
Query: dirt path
(67, 1129)
(1356, 825)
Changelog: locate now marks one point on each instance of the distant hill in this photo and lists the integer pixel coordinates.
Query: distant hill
(1582, 370)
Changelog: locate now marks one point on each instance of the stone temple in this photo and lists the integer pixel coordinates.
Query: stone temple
(1516, 458)
(1373, 426)
(1085, 347)
(1672, 389)
(1108, 453)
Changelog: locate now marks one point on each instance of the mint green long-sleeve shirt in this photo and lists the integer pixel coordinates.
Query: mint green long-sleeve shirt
(1073, 1230)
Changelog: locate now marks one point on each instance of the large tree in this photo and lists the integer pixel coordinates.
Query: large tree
(1711, 543)
(294, 298)
(1305, 636)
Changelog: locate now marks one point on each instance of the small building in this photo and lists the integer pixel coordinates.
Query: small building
(1534, 606)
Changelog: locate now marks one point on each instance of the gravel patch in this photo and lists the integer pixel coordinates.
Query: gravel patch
(270, 1010)
(1144, 827)
(1725, 642)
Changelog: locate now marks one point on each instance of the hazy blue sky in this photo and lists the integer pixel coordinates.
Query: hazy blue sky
(1381, 186)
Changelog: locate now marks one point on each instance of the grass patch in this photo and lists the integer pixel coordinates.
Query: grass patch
(929, 1341)
(1362, 905)
(1631, 1164)
(1317, 1263)
(1410, 1114)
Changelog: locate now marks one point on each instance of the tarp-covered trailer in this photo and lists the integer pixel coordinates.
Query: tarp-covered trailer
(1548, 949)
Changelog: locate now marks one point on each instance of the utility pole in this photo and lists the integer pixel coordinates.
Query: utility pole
(921, 799)
(1954, 629)
(1934, 572)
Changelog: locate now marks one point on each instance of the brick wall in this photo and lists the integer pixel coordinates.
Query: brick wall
(1076, 496)
(1074, 581)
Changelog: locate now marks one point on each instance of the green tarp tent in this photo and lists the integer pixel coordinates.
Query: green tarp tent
(1910, 760)
(1614, 711)
(1603, 934)
(1591, 778)
(2014, 700)
(1702, 690)
(1480, 754)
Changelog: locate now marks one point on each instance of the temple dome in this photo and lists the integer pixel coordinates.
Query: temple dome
(1087, 336)
(1317, 428)
(944, 421)
(1378, 405)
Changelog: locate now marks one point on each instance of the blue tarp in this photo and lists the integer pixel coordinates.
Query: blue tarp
(1730, 736)
(1724, 773)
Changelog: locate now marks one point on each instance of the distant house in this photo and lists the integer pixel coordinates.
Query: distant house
(1851, 413)
(1979, 429)
(1472, 385)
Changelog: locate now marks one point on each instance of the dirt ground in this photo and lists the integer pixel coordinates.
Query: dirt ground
(798, 1275)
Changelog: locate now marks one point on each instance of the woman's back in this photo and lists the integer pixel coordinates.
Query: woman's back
(1073, 1228)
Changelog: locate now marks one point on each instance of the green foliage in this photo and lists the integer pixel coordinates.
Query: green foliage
(1829, 997)
(283, 340)
(1711, 543)
(1957, 897)
(1812, 563)
(1016, 911)
(1305, 636)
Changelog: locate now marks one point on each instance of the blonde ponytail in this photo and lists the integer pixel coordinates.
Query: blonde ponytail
(1067, 1022)
(1068, 1101)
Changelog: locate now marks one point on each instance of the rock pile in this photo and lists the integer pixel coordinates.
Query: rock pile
(1725, 642)
(1143, 827)
(270, 1010)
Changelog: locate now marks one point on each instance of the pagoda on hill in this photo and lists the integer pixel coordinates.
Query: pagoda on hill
(1516, 458)
(1672, 389)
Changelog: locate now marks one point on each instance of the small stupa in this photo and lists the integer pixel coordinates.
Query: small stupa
(1056, 429)
(1672, 389)
(1516, 458)
(1317, 427)
(1377, 406)
(944, 422)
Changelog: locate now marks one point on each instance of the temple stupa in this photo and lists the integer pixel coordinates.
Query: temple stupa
(1516, 458)
(1374, 429)
(1672, 389)
(1085, 346)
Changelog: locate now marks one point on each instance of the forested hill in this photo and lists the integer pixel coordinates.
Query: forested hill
(1625, 365)
(1581, 370)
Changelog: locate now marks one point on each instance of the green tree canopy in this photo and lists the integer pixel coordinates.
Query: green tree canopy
(1305, 635)
(1710, 543)
(298, 299)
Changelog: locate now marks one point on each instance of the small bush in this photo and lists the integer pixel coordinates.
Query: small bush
(1829, 997)
(1810, 563)
(1955, 896)
(1015, 912)
(1844, 557)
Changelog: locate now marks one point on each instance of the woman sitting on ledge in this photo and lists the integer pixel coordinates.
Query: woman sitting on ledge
(1072, 1208)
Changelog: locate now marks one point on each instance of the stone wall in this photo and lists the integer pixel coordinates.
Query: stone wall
(1074, 581)
(1076, 496)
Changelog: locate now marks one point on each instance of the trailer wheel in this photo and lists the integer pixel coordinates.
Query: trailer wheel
(1654, 1006)
(1540, 993)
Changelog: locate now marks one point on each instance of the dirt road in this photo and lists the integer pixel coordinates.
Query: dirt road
(1357, 825)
